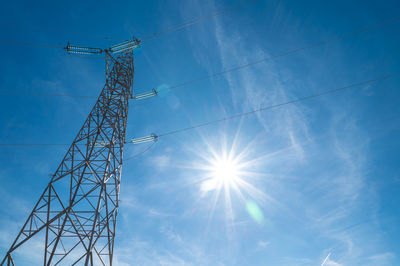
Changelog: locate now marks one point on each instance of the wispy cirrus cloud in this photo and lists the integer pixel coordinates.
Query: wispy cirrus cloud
(331, 197)
(261, 85)
(180, 251)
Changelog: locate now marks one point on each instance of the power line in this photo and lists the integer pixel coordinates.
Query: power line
(146, 37)
(41, 29)
(59, 95)
(66, 145)
(286, 53)
(46, 94)
(327, 92)
(31, 44)
(31, 144)
(142, 152)
(278, 105)
(195, 21)
(338, 37)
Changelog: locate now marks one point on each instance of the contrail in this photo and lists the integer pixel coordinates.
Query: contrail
(327, 257)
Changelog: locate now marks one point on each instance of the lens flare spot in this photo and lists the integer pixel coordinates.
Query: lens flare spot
(163, 90)
(255, 212)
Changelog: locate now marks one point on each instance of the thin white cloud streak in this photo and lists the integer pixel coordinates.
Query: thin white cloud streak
(259, 86)
(262, 85)
(139, 252)
(345, 193)
(327, 257)
(381, 259)
(179, 251)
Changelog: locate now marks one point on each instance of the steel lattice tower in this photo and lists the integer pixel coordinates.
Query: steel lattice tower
(76, 215)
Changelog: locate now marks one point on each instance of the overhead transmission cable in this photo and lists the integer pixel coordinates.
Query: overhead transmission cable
(317, 44)
(31, 144)
(290, 52)
(31, 44)
(47, 94)
(195, 21)
(146, 37)
(142, 152)
(278, 105)
(41, 29)
(154, 137)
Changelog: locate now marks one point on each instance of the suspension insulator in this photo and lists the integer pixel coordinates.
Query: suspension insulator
(146, 95)
(152, 137)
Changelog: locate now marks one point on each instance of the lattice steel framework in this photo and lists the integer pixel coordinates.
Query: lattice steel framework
(77, 212)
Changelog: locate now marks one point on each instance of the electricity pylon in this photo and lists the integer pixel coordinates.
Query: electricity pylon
(75, 217)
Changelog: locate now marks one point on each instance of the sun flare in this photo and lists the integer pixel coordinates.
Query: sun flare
(225, 171)
(228, 179)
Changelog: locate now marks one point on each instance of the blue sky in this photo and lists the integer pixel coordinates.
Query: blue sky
(321, 177)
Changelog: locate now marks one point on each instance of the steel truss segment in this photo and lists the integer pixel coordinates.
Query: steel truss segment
(77, 212)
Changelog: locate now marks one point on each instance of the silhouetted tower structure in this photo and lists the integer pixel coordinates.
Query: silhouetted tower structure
(74, 219)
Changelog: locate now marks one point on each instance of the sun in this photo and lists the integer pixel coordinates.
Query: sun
(225, 171)
(228, 179)
(222, 173)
